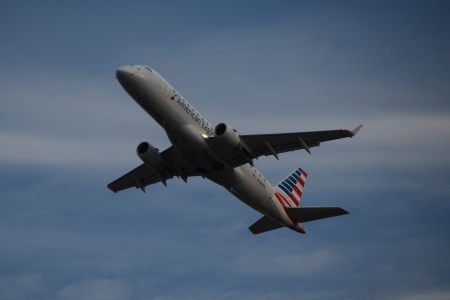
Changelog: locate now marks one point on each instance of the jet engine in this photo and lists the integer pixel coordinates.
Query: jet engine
(149, 154)
(228, 136)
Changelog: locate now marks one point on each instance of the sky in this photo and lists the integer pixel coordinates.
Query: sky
(67, 129)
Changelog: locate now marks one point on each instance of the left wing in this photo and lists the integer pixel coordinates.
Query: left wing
(175, 165)
(257, 145)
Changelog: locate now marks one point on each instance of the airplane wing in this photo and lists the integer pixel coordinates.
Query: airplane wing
(272, 144)
(145, 175)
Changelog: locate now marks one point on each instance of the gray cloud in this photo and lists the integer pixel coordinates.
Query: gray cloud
(98, 289)
(284, 264)
(22, 286)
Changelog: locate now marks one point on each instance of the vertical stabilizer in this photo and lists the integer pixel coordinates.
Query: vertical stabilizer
(290, 190)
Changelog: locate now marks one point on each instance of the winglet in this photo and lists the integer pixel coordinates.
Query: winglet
(355, 131)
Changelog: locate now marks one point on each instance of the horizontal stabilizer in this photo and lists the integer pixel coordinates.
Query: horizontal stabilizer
(306, 214)
(264, 224)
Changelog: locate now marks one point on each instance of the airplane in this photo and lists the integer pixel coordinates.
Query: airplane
(220, 154)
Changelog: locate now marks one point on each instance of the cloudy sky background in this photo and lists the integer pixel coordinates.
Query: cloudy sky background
(67, 129)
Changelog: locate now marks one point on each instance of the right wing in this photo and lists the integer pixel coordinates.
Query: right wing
(145, 175)
(256, 145)
(284, 142)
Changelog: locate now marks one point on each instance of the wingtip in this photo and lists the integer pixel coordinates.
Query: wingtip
(355, 131)
(344, 211)
(110, 188)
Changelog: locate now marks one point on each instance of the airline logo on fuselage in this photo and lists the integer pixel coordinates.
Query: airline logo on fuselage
(194, 115)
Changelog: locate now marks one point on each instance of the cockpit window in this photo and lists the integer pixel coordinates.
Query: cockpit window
(150, 70)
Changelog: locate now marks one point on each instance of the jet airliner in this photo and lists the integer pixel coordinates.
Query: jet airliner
(220, 154)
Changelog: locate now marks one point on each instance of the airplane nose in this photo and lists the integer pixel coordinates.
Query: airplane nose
(130, 77)
(123, 72)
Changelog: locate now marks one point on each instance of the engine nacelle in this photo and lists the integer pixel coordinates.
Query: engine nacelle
(149, 154)
(226, 135)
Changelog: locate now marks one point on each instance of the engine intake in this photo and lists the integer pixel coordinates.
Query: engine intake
(228, 136)
(149, 154)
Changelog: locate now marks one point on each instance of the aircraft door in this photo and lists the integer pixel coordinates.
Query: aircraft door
(269, 191)
(164, 87)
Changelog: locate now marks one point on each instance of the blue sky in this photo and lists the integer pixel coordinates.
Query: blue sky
(67, 129)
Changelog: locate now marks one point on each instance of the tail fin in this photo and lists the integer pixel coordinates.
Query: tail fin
(291, 188)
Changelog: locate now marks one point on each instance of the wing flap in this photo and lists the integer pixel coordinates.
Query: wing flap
(263, 225)
(307, 214)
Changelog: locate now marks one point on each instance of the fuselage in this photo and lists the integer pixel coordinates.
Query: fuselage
(187, 129)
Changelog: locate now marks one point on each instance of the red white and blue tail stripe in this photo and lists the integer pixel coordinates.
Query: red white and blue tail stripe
(289, 191)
